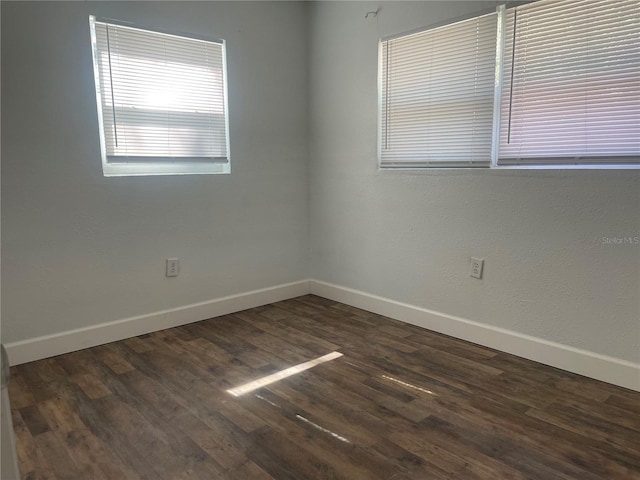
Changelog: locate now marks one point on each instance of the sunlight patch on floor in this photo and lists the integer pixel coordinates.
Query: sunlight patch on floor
(287, 372)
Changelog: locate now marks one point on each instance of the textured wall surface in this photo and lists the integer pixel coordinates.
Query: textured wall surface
(409, 236)
(79, 249)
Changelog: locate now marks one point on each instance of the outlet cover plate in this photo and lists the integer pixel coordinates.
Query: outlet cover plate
(173, 267)
(477, 265)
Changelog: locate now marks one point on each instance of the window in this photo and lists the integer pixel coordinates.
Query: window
(560, 86)
(436, 96)
(571, 83)
(162, 104)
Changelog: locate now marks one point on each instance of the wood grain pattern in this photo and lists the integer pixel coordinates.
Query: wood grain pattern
(401, 403)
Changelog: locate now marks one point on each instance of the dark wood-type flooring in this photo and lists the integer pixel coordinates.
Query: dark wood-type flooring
(401, 403)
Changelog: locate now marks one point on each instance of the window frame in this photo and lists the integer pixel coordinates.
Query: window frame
(164, 165)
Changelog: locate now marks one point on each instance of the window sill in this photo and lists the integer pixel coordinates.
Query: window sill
(162, 168)
(418, 169)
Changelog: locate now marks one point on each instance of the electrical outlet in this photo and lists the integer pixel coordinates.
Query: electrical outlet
(476, 267)
(173, 267)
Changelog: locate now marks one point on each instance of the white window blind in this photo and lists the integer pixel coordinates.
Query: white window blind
(162, 101)
(436, 96)
(571, 83)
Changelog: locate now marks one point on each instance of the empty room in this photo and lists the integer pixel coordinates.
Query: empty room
(347, 240)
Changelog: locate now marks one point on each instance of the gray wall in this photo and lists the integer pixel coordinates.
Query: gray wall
(409, 236)
(79, 249)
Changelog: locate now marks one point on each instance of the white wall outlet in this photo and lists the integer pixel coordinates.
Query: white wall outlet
(476, 267)
(173, 267)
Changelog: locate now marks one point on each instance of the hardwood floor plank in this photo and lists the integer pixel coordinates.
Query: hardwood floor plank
(332, 445)
(34, 420)
(569, 418)
(138, 345)
(225, 452)
(19, 390)
(496, 455)
(568, 448)
(284, 330)
(29, 459)
(57, 457)
(134, 464)
(110, 357)
(91, 386)
(91, 456)
(629, 404)
(401, 403)
(60, 416)
(603, 411)
(250, 470)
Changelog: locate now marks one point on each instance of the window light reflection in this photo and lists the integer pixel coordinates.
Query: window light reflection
(273, 404)
(408, 385)
(322, 429)
(287, 372)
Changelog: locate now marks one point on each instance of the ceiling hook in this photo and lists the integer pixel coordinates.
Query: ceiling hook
(375, 14)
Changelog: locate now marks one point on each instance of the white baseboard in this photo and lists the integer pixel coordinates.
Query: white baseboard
(72, 340)
(601, 367)
(590, 364)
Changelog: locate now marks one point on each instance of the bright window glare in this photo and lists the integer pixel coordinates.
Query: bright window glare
(287, 372)
(168, 85)
(159, 98)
